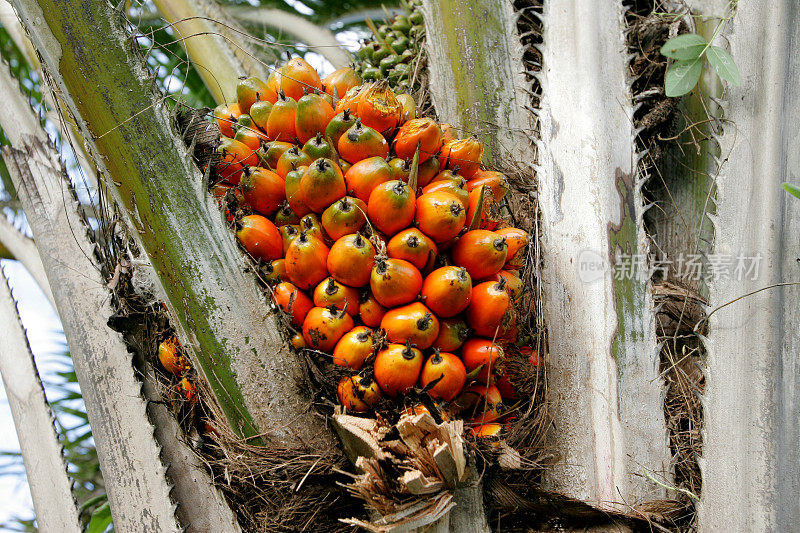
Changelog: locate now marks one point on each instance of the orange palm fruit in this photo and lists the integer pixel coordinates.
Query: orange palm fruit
(448, 174)
(354, 348)
(340, 81)
(487, 431)
(370, 311)
(424, 132)
(349, 102)
(260, 112)
(482, 252)
(297, 341)
(379, 108)
(288, 232)
(478, 352)
(440, 215)
(391, 206)
(272, 152)
(413, 246)
(452, 186)
(281, 121)
(291, 159)
(365, 175)
(296, 77)
(324, 326)
(401, 168)
(251, 90)
(409, 106)
(489, 308)
(260, 238)
(449, 370)
(351, 260)
(394, 282)
(427, 171)
(339, 125)
(344, 216)
(313, 116)
(226, 115)
(331, 292)
(322, 184)
(466, 153)
(294, 195)
(513, 283)
(311, 224)
(397, 369)
(318, 147)
(248, 134)
(496, 181)
(306, 261)
(413, 323)
(187, 389)
(285, 215)
(274, 271)
(447, 291)
(489, 403)
(171, 357)
(234, 156)
(452, 334)
(448, 132)
(360, 142)
(517, 240)
(487, 220)
(358, 393)
(293, 301)
(263, 190)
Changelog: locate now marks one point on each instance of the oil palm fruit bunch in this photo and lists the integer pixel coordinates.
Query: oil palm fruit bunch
(393, 49)
(373, 231)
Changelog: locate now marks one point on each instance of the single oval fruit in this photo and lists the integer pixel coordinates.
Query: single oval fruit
(358, 393)
(490, 310)
(171, 357)
(354, 348)
(322, 184)
(294, 195)
(488, 216)
(517, 240)
(453, 332)
(409, 106)
(260, 112)
(413, 246)
(451, 186)
(248, 134)
(291, 159)
(413, 323)
(338, 82)
(274, 271)
(424, 132)
(489, 403)
(317, 147)
(324, 326)
(349, 102)
(365, 175)
(397, 369)
(263, 190)
(449, 370)
(311, 224)
(478, 352)
(361, 142)
(251, 90)
(234, 156)
(293, 301)
(339, 125)
(331, 292)
(343, 217)
(496, 181)
(226, 116)
(351, 260)
(427, 171)
(482, 252)
(464, 153)
(391, 206)
(272, 152)
(312, 117)
(260, 238)
(401, 168)
(295, 78)
(447, 291)
(297, 341)
(187, 389)
(285, 215)
(288, 232)
(306, 261)
(513, 283)
(487, 431)
(394, 282)
(281, 121)
(379, 108)
(370, 311)
(440, 215)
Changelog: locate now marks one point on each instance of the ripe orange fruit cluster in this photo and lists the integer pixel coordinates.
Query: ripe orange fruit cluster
(375, 235)
(174, 361)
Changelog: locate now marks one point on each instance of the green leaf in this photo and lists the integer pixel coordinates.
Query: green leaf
(794, 190)
(722, 62)
(684, 47)
(682, 76)
(101, 519)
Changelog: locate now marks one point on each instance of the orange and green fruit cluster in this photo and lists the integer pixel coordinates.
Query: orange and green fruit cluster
(373, 229)
(171, 357)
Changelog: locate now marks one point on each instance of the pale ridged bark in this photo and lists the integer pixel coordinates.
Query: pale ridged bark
(606, 393)
(22, 248)
(751, 456)
(219, 313)
(49, 483)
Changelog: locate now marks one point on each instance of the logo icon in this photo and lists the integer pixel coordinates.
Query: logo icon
(591, 266)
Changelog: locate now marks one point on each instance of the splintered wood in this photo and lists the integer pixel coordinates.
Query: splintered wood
(408, 475)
